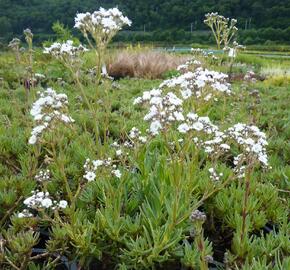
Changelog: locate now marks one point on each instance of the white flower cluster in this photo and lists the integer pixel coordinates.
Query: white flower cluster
(14, 44)
(166, 108)
(42, 176)
(217, 144)
(202, 53)
(240, 166)
(67, 48)
(147, 95)
(49, 108)
(194, 122)
(39, 77)
(228, 26)
(197, 50)
(25, 214)
(101, 24)
(188, 65)
(197, 215)
(163, 111)
(91, 166)
(134, 139)
(251, 140)
(207, 135)
(211, 17)
(199, 83)
(224, 30)
(136, 136)
(214, 176)
(41, 200)
(250, 76)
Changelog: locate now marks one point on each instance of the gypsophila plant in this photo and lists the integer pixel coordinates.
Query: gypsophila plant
(47, 112)
(29, 40)
(14, 45)
(222, 28)
(101, 25)
(195, 89)
(70, 56)
(66, 52)
(224, 31)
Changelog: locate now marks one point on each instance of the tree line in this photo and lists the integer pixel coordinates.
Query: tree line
(178, 19)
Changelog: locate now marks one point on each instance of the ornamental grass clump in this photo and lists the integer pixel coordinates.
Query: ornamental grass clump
(142, 64)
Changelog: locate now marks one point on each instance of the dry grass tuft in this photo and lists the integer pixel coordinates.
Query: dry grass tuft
(146, 64)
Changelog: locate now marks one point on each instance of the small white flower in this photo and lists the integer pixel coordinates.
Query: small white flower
(32, 139)
(197, 126)
(46, 202)
(118, 152)
(225, 146)
(183, 128)
(211, 170)
(257, 148)
(155, 127)
(178, 116)
(97, 163)
(24, 214)
(62, 204)
(90, 176)
(117, 173)
(142, 139)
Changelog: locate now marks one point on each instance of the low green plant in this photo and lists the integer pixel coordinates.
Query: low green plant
(141, 197)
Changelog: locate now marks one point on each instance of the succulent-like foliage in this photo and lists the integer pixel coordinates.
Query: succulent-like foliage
(203, 184)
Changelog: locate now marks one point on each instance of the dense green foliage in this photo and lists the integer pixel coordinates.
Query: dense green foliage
(141, 221)
(163, 20)
(97, 172)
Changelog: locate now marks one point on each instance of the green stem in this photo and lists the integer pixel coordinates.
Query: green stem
(204, 198)
(245, 205)
(8, 213)
(11, 263)
(98, 67)
(91, 108)
(77, 80)
(201, 247)
(62, 170)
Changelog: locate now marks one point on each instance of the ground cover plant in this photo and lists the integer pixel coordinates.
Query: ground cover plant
(187, 171)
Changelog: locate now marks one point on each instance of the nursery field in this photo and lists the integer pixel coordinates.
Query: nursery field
(142, 219)
(158, 161)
